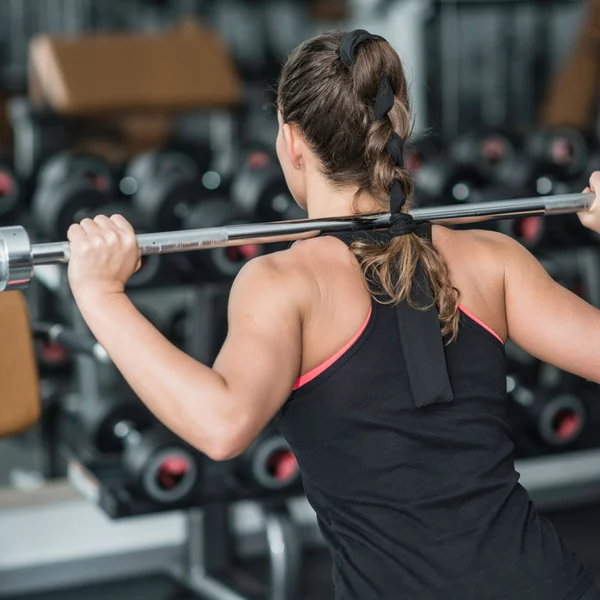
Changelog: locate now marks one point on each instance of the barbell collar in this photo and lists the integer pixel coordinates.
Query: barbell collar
(18, 256)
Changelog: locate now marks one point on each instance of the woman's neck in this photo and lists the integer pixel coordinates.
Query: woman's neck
(323, 201)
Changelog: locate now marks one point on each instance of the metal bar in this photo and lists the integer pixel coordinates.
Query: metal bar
(259, 233)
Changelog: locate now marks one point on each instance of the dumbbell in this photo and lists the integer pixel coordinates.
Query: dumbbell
(165, 183)
(563, 152)
(69, 186)
(556, 417)
(55, 343)
(157, 464)
(260, 191)
(269, 464)
(217, 264)
(420, 150)
(483, 151)
(442, 181)
(10, 190)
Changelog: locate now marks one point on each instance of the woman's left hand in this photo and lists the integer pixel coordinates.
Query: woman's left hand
(104, 255)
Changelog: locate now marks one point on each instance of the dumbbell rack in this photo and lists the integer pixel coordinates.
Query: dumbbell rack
(206, 559)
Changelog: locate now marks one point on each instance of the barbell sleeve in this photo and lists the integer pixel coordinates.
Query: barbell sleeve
(18, 256)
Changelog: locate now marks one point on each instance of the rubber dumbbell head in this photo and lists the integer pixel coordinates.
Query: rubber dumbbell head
(260, 191)
(163, 468)
(484, 151)
(270, 464)
(562, 420)
(163, 185)
(562, 151)
(419, 151)
(70, 187)
(10, 190)
(100, 418)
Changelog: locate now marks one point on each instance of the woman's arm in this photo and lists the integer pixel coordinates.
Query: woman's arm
(544, 318)
(219, 410)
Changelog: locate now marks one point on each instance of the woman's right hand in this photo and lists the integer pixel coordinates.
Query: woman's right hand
(591, 218)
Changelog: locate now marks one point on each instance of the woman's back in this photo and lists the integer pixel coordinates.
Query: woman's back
(418, 501)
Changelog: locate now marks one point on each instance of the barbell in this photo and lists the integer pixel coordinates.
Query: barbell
(18, 256)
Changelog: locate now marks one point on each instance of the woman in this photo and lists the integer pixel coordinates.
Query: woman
(385, 363)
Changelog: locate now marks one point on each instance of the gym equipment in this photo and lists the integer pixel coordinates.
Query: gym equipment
(269, 463)
(160, 465)
(70, 340)
(157, 464)
(419, 151)
(219, 263)
(164, 183)
(261, 192)
(562, 152)
(10, 190)
(69, 188)
(18, 256)
(441, 181)
(557, 417)
(483, 152)
(529, 231)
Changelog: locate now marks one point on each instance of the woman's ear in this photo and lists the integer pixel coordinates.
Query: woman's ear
(294, 144)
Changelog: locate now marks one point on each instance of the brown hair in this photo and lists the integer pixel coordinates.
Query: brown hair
(333, 108)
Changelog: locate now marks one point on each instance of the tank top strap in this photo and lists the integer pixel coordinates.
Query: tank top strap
(420, 331)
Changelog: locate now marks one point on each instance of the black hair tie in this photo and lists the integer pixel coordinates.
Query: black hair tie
(352, 41)
(400, 223)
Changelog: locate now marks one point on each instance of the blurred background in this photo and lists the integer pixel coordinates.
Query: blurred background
(162, 110)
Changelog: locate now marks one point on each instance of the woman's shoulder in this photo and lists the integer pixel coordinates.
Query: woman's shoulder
(477, 261)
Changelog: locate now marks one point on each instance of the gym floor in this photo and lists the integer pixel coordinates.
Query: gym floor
(316, 586)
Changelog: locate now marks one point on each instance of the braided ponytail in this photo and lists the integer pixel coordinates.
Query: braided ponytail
(348, 95)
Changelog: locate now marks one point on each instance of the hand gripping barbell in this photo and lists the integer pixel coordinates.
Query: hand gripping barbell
(18, 256)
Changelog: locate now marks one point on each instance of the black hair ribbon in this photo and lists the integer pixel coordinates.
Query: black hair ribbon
(400, 223)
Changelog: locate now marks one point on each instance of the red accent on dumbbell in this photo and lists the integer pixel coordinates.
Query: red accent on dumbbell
(412, 161)
(240, 253)
(528, 229)
(7, 184)
(51, 352)
(258, 160)
(283, 465)
(172, 470)
(567, 423)
(562, 151)
(101, 183)
(493, 149)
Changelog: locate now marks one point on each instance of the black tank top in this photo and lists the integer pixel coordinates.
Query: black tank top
(406, 457)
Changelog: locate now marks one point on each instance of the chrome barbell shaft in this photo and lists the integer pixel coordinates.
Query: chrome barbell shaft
(258, 233)
(18, 257)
